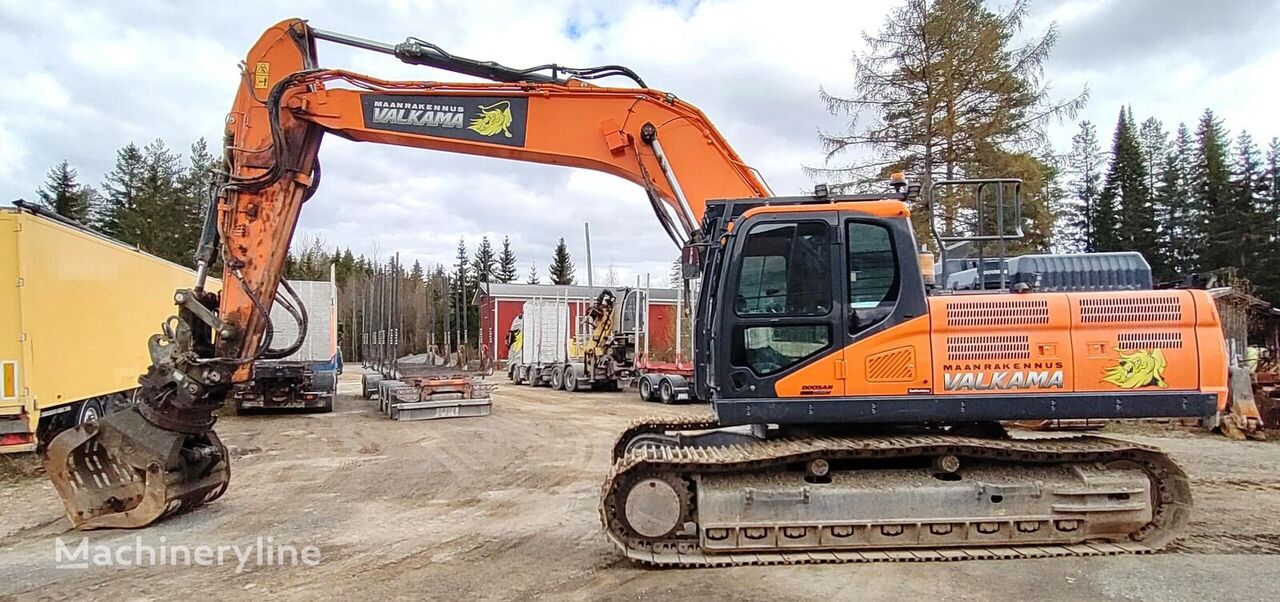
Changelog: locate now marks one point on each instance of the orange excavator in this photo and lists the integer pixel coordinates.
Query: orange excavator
(857, 408)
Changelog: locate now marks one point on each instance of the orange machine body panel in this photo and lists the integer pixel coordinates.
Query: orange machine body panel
(1019, 344)
(896, 361)
(1002, 343)
(881, 208)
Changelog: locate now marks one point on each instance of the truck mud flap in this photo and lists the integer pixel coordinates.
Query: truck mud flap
(122, 472)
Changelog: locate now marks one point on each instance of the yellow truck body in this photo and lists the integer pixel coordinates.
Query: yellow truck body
(76, 311)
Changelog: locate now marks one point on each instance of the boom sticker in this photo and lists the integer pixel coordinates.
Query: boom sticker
(493, 119)
(1142, 368)
(496, 120)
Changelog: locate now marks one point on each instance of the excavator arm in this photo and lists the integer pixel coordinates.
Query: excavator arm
(162, 457)
(284, 108)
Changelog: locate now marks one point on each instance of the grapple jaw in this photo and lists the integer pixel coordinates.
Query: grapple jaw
(160, 456)
(124, 472)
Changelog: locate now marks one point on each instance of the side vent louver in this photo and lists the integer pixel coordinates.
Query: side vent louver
(895, 365)
(1149, 340)
(1131, 309)
(1006, 347)
(996, 313)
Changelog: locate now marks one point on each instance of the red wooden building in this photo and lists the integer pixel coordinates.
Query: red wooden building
(501, 303)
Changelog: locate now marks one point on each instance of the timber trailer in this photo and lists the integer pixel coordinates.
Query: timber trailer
(594, 351)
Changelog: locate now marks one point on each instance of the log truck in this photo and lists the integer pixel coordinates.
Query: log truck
(856, 411)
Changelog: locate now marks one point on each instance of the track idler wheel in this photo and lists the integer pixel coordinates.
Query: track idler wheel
(658, 506)
(124, 472)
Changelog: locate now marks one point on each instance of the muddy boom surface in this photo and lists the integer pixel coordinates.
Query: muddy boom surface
(886, 498)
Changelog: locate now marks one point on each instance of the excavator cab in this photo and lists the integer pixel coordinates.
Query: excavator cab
(790, 282)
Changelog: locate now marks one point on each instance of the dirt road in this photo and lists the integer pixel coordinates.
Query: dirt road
(504, 507)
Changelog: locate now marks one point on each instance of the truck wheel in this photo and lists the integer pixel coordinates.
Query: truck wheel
(90, 411)
(666, 391)
(557, 376)
(646, 388)
(570, 380)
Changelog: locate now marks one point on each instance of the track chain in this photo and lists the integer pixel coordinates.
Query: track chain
(1172, 489)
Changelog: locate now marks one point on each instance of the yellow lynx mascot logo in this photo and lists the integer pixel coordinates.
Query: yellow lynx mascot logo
(493, 119)
(1142, 368)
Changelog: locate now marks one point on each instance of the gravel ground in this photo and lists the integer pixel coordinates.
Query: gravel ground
(504, 507)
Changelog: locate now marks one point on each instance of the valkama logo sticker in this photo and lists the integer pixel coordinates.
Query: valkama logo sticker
(493, 119)
(1142, 368)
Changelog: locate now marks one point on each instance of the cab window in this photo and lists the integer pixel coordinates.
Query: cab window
(873, 274)
(770, 349)
(785, 269)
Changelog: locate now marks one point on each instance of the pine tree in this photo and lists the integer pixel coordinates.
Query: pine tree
(1057, 204)
(460, 292)
(1247, 188)
(1125, 188)
(561, 270)
(506, 262)
(308, 260)
(462, 276)
(532, 278)
(945, 90)
(1174, 203)
(346, 267)
(1085, 165)
(485, 264)
(1269, 215)
(143, 201)
(1154, 144)
(415, 273)
(675, 275)
(1211, 181)
(192, 201)
(64, 195)
(119, 202)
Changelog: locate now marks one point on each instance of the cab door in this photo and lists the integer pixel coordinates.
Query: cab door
(887, 349)
(780, 321)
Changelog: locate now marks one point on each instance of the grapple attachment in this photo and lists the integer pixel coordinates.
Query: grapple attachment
(124, 472)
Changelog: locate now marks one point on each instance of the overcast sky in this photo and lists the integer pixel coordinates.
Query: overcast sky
(82, 79)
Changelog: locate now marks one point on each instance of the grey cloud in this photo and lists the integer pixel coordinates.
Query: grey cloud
(1121, 31)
